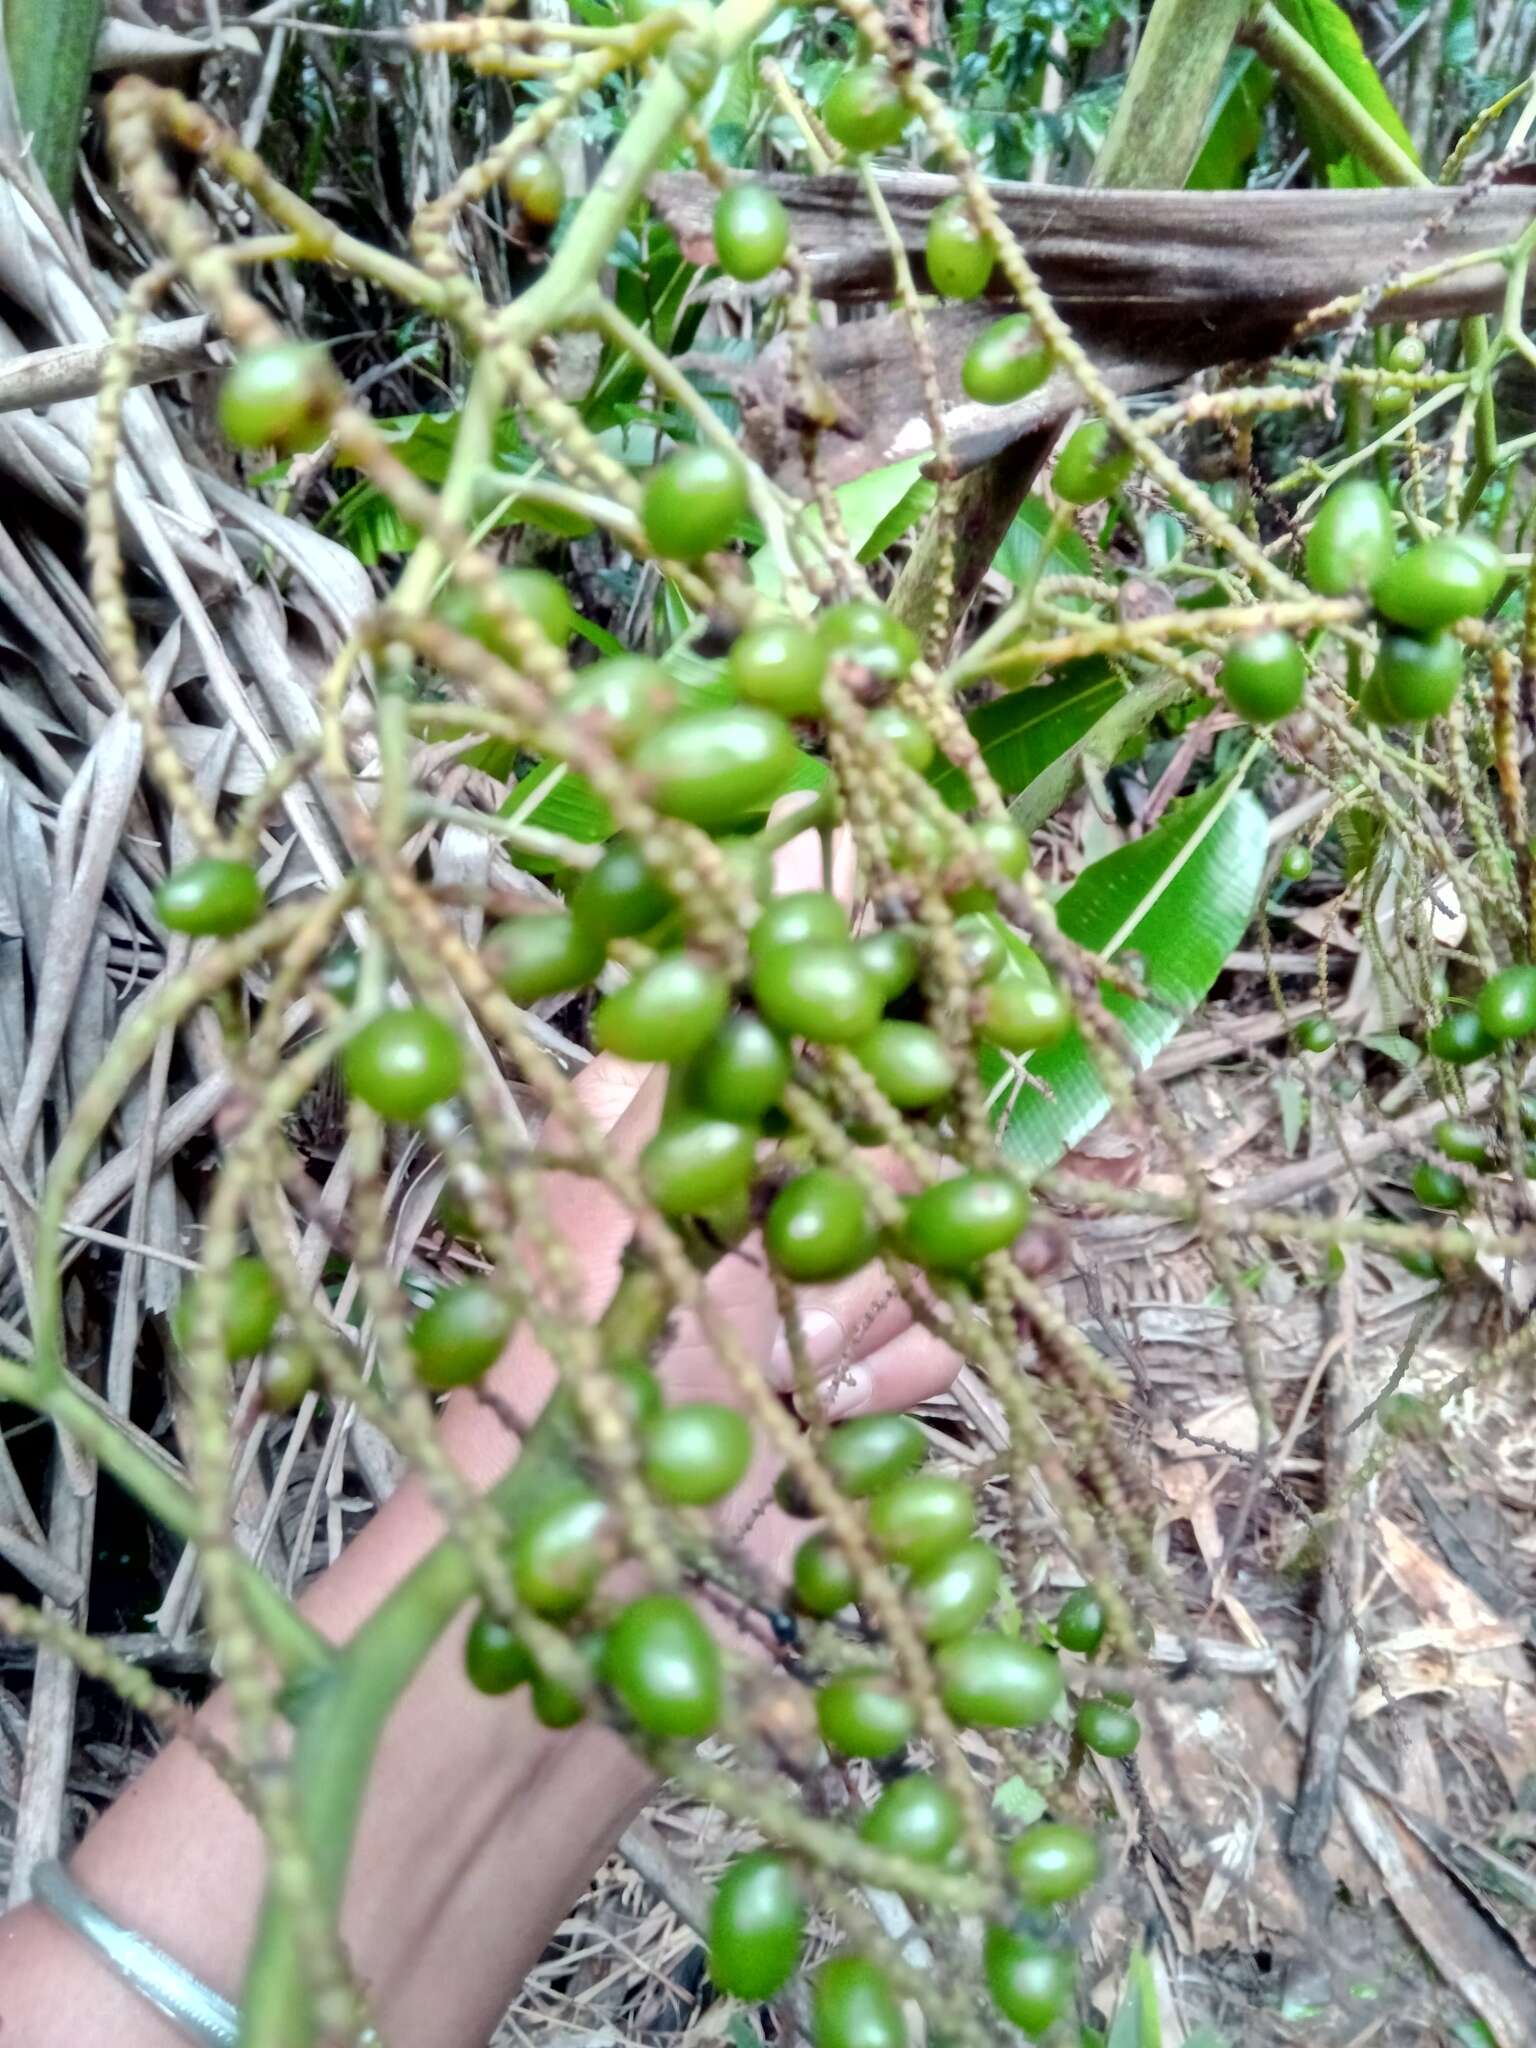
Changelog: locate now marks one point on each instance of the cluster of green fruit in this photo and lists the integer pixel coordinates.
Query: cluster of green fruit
(1419, 596)
(661, 1669)
(808, 978)
(1467, 1144)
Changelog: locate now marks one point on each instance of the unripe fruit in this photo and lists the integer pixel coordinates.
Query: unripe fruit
(1107, 1728)
(460, 1335)
(1005, 362)
(403, 1063)
(278, 396)
(916, 1817)
(820, 1227)
(210, 898)
(1433, 585)
(668, 1012)
(958, 254)
(543, 954)
(1507, 1006)
(252, 1305)
(1350, 546)
(694, 503)
(695, 1453)
(1263, 676)
(751, 231)
(955, 1223)
(1093, 465)
(865, 110)
(995, 1681)
(756, 1926)
(664, 1667)
(713, 767)
(1052, 1862)
(863, 1713)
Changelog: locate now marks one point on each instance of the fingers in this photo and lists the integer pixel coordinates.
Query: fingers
(801, 864)
(838, 1325)
(911, 1368)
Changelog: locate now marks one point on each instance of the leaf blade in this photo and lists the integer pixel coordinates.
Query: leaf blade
(1183, 897)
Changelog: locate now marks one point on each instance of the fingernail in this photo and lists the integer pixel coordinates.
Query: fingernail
(822, 1337)
(849, 1394)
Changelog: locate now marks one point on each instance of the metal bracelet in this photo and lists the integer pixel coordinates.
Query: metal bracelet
(200, 2014)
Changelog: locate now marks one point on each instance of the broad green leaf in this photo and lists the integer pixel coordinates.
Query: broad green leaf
(1334, 37)
(1182, 897)
(1236, 125)
(866, 503)
(1023, 733)
(1019, 556)
(49, 45)
(1136, 2023)
(915, 503)
(1123, 719)
(566, 804)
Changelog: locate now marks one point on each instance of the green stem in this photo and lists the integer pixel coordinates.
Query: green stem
(342, 1717)
(1311, 76)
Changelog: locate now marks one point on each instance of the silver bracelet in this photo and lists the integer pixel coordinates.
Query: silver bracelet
(199, 2013)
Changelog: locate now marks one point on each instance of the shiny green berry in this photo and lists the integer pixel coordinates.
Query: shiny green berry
(864, 111)
(543, 954)
(620, 897)
(909, 1063)
(694, 503)
(1029, 1981)
(952, 1595)
(1107, 1728)
(695, 1453)
(403, 1063)
(697, 1164)
(559, 1553)
(751, 231)
(820, 1227)
(863, 1713)
(955, 1223)
(996, 1681)
(1507, 1006)
(1263, 676)
(756, 1926)
(1080, 1622)
(664, 1667)
(1433, 585)
(820, 992)
(1005, 362)
(780, 666)
(918, 1520)
(824, 1581)
(1093, 465)
(496, 1658)
(916, 1818)
(1053, 1862)
(959, 255)
(1351, 542)
(278, 396)
(460, 1335)
(252, 1305)
(1459, 1038)
(1438, 1188)
(210, 898)
(668, 1012)
(1417, 675)
(716, 766)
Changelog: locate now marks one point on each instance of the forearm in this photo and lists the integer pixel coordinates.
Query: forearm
(479, 1829)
